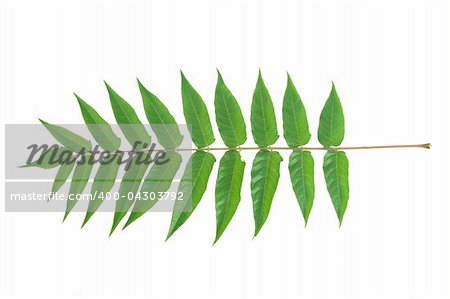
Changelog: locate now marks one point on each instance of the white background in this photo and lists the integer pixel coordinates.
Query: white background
(390, 63)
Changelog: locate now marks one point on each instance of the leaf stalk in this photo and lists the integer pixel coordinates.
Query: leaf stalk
(337, 148)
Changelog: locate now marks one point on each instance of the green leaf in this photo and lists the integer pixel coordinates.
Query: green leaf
(98, 127)
(72, 141)
(331, 124)
(335, 168)
(162, 122)
(128, 188)
(80, 178)
(229, 116)
(196, 115)
(301, 169)
(264, 124)
(104, 181)
(62, 175)
(295, 123)
(228, 189)
(128, 120)
(158, 179)
(192, 186)
(264, 180)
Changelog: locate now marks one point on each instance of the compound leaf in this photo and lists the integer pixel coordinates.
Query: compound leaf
(263, 121)
(331, 124)
(264, 180)
(196, 115)
(229, 115)
(192, 186)
(228, 189)
(162, 122)
(295, 123)
(335, 168)
(301, 169)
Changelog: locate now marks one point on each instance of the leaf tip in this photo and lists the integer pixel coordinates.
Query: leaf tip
(333, 86)
(306, 220)
(171, 231)
(83, 224)
(168, 236)
(65, 216)
(219, 76)
(86, 218)
(129, 221)
(113, 228)
(218, 235)
(340, 220)
(183, 77)
(79, 100)
(111, 91)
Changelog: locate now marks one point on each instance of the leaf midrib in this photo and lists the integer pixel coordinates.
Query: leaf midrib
(161, 119)
(260, 216)
(158, 184)
(295, 118)
(228, 114)
(193, 184)
(230, 191)
(302, 169)
(338, 184)
(263, 114)
(194, 108)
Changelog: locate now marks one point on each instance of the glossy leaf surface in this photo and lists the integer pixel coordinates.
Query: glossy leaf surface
(229, 116)
(335, 168)
(263, 121)
(264, 180)
(196, 115)
(301, 170)
(331, 124)
(128, 120)
(162, 122)
(228, 189)
(192, 187)
(295, 123)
